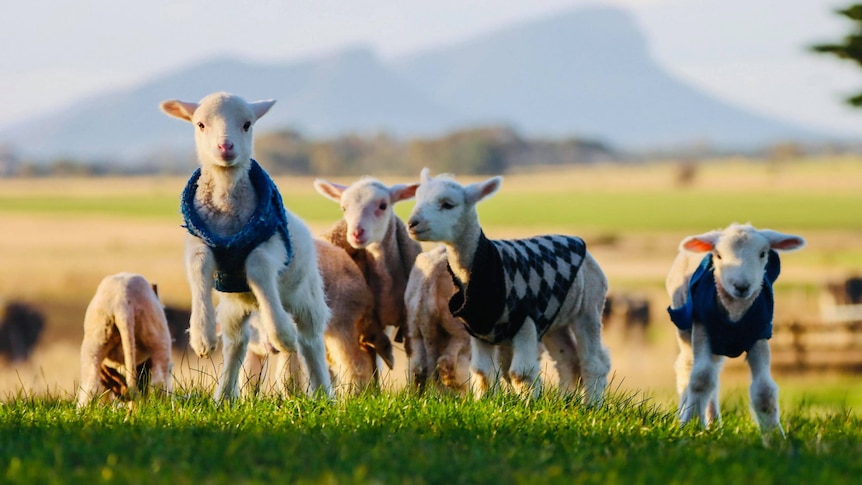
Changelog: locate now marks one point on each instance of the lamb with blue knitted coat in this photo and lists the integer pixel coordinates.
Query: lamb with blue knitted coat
(244, 244)
(722, 302)
(517, 292)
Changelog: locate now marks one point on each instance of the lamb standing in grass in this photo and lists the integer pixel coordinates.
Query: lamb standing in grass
(439, 344)
(124, 325)
(377, 240)
(722, 305)
(517, 291)
(245, 245)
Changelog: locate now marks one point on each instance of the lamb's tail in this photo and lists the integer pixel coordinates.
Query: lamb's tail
(124, 319)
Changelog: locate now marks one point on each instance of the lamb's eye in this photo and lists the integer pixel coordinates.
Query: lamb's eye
(201, 126)
(717, 255)
(446, 205)
(762, 254)
(382, 206)
(246, 126)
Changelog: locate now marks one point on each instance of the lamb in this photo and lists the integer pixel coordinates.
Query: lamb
(350, 358)
(722, 305)
(245, 245)
(124, 325)
(378, 242)
(439, 344)
(516, 292)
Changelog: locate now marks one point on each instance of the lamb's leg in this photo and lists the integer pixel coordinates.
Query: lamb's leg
(200, 265)
(524, 371)
(595, 361)
(420, 364)
(235, 336)
(764, 391)
(683, 365)
(703, 385)
(483, 375)
(160, 373)
(309, 308)
(124, 319)
(561, 346)
(93, 351)
(262, 275)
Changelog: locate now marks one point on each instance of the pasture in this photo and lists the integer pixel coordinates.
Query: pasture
(59, 237)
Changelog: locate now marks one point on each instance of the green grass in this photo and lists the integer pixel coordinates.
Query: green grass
(405, 438)
(597, 210)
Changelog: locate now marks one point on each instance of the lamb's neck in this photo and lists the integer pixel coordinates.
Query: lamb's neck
(386, 249)
(461, 251)
(734, 307)
(226, 190)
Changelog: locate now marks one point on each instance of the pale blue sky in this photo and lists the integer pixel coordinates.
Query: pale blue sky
(744, 51)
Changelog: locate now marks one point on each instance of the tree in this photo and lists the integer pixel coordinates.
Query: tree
(851, 46)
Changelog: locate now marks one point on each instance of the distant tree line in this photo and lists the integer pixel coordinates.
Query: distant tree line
(483, 150)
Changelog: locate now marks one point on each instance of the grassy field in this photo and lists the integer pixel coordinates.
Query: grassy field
(59, 237)
(405, 438)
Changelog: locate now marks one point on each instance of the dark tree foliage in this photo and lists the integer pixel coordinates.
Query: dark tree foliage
(850, 47)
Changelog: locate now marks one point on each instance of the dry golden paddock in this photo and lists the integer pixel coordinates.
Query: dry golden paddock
(60, 236)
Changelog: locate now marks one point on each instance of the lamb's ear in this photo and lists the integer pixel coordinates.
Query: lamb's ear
(424, 176)
(260, 108)
(329, 190)
(480, 190)
(401, 192)
(179, 109)
(783, 242)
(700, 244)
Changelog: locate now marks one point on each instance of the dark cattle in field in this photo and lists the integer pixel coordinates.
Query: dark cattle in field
(632, 311)
(847, 292)
(178, 324)
(20, 327)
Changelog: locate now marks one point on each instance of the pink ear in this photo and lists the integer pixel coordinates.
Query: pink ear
(402, 192)
(329, 190)
(783, 242)
(696, 245)
(179, 109)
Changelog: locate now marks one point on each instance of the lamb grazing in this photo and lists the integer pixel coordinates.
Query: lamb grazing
(378, 242)
(516, 291)
(722, 305)
(439, 344)
(124, 325)
(350, 359)
(244, 244)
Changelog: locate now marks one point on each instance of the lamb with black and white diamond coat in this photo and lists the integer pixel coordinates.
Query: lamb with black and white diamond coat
(517, 292)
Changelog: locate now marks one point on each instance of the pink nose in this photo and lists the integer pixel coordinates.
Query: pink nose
(225, 146)
(357, 233)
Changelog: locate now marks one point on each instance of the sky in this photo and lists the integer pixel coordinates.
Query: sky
(744, 51)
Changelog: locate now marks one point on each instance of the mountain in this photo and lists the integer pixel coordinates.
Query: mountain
(585, 73)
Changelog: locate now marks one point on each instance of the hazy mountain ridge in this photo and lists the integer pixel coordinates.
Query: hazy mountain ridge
(584, 73)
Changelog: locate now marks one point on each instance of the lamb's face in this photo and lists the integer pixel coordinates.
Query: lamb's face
(367, 207)
(441, 205)
(223, 130)
(740, 256)
(223, 126)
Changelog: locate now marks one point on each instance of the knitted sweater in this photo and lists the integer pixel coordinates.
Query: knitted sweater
(230, 252)
(513, 280)
(725, 337)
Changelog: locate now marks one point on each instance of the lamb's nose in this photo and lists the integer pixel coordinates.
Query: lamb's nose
(412, 222)
(225, 146)
(741, 288)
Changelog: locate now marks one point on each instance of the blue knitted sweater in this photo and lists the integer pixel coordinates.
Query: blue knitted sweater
(725, 337)
(231, 252)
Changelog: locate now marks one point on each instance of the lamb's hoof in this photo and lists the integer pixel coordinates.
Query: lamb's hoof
(203, 347)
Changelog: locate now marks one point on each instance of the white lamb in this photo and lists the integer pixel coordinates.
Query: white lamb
(722, 304)
(377, 240)
(244, 244)
(124, 325)
(439, 345)
(517, 291)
